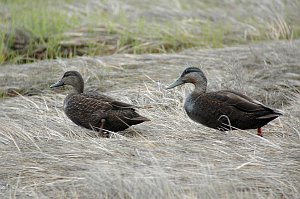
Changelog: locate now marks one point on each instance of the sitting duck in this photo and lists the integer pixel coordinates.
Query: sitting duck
(223, 110)
(96, 111)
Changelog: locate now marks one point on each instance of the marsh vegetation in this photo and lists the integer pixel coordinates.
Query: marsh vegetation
(36, 29)
(131, 50)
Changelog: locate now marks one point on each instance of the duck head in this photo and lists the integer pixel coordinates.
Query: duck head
(72, 78)
(194, 76)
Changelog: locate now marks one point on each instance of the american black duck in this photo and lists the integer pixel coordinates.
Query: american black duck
(223, 110)
(96, 111)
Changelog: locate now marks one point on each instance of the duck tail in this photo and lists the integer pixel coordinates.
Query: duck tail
(271, 114)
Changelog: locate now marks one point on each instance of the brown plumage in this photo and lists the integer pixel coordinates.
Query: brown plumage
(96, 111)
(223, 110)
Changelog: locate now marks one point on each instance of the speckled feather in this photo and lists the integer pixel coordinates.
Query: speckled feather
(223, 110)
(89, 110)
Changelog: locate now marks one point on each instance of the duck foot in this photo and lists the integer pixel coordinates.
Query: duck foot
(259, 132)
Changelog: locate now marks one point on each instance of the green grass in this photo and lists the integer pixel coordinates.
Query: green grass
(47, 21)
(44, 23)
(2, 48)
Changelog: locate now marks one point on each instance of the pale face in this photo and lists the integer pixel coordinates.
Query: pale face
(190, 75)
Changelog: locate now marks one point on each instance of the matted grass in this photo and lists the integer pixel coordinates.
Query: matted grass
(44, 155)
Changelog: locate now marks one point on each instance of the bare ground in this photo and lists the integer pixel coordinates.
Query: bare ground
(44, 155)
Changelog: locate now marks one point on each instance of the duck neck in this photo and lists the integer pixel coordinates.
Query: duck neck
(200, 87)
(78, 88)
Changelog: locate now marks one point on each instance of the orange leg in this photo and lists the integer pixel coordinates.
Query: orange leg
(259, 132)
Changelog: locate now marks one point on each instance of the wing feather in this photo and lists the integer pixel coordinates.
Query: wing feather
(238, 100)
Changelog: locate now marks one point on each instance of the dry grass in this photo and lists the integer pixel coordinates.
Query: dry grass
(44, 155)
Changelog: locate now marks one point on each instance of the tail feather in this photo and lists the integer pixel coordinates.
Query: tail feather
(271, 114)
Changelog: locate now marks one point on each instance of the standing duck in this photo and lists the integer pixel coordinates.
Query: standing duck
(96, 111)
(223, 110)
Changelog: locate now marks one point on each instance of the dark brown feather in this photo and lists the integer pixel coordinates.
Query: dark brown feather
(90, 109)
(225, 110)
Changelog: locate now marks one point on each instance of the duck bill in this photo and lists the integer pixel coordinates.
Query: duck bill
(177, 83)
(57, 84)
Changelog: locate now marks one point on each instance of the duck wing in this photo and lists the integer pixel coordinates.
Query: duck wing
(88, 103)
(116, 105)
(119, 115)
(240, 101)
(243, 103)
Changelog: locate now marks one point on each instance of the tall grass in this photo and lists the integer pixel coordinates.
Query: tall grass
(45, 22)
(133, 27)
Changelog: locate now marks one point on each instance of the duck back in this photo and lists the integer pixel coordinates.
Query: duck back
(88, 110)
(228, 110)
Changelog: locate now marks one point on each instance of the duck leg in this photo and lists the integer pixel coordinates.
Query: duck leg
(259, 132)
(102, 126)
